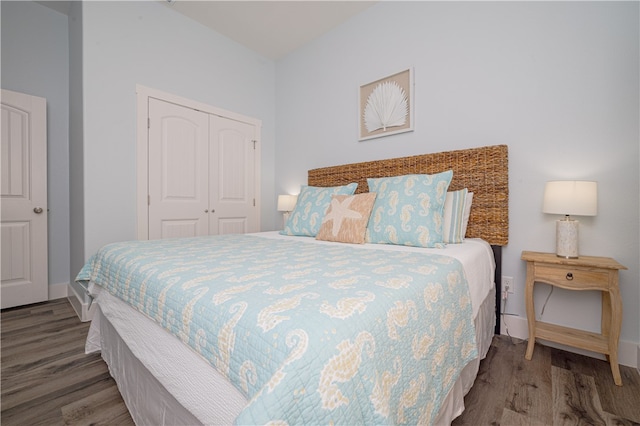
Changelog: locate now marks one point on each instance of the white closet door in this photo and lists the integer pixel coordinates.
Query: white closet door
(178, 171)
(233, 165)
(24, 199)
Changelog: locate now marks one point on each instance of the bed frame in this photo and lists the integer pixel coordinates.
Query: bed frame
(484, 171)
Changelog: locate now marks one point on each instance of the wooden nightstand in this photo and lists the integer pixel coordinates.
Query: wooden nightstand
(584, 273)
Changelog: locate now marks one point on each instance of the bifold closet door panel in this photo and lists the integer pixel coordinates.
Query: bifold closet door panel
(232, 176)
(178, 171)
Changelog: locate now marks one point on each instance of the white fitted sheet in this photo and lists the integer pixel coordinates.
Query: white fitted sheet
(165, 382)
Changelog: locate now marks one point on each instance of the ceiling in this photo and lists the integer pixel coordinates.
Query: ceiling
(271, 28)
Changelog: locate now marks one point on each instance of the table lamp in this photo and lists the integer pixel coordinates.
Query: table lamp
(286, 203)
(571, 197)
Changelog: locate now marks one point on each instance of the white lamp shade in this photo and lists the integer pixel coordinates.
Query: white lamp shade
(571, 197)
(286, 203)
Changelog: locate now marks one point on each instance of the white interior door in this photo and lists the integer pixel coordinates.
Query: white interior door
(23, 230)
(233, 166)
(178, 171)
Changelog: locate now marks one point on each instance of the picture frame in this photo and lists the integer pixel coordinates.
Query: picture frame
(385, 106)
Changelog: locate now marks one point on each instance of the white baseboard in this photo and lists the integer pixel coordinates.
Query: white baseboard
(82, 308)
(628, 352)
(58, 291)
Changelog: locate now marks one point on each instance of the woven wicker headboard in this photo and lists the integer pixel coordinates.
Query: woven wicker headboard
(484, 171)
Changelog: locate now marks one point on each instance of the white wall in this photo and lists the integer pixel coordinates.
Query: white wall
(129, 43)
(557, 82)
(76, 151)
(35, 55)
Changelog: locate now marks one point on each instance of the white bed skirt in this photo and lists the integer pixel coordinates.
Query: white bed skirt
(164, 382)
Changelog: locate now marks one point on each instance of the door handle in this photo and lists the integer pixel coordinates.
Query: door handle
(37, 210)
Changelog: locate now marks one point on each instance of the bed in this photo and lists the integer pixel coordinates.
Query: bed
(279, 329)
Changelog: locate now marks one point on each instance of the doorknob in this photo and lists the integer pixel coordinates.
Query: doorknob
(37, 210)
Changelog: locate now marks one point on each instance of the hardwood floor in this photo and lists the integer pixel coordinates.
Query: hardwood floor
(48, 380)
(554, 388)
(46, 377)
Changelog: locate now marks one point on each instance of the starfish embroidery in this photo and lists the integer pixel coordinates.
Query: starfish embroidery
(339, 212)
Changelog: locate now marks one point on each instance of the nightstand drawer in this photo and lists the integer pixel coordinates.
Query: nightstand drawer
(572, 277)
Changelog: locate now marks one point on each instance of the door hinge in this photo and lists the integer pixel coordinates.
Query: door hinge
(148, 123)
(148, 200)
(254, 202)
(254, 143)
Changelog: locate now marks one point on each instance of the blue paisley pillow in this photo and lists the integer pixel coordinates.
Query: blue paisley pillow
(408, 209)
(313, 202)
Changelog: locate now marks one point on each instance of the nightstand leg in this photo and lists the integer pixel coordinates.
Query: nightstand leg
(531, 314)
(614, 330)
(615, 369)
(530, 345)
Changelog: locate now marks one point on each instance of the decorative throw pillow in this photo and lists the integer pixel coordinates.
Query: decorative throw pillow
(467, 213)
(346, 219)
(313, 201)
(408, 209)
(457, 207)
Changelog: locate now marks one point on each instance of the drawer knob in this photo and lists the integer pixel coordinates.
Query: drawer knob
(569, 276)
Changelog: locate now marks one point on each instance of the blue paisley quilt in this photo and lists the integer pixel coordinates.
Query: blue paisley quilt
(312, 334)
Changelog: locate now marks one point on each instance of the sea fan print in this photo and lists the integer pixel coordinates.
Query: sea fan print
(387, 106)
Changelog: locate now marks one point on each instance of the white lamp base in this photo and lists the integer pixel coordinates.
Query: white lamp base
(285, 217)
(567, 238)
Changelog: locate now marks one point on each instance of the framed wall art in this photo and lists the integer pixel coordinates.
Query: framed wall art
(386, 106)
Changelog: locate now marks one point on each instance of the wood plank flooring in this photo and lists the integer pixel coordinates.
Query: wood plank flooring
(46, 377)
(554, 388)
(48, 380)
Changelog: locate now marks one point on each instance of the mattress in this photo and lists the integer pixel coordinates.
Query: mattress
(165, 382)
